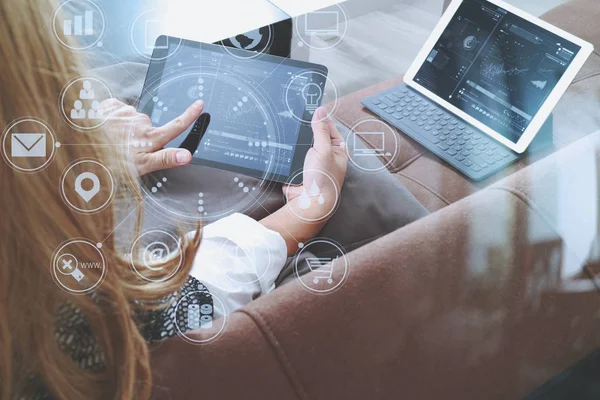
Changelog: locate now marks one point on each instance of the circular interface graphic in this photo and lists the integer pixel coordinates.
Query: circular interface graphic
(28, 145)
(372, 145)
(79, 24)
(321, 266)
(317, 199)
(78, 266)
(244, 131)
(470, 43)
(87, 186)
(85, 112)
(147, 39)
(249, 45)
(151, 251)
(306, 91)
(202, 313)
(323, 29)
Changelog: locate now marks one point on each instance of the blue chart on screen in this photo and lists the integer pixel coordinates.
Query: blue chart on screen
(496, 66)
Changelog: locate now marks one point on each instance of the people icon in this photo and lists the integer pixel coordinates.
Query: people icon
(95, 112)
(78, 112)
(87, 93)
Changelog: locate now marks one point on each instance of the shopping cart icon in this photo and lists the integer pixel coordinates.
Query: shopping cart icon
(324, 268)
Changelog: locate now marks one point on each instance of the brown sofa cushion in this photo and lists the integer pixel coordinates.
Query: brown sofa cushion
(579, 17)
(239, 365)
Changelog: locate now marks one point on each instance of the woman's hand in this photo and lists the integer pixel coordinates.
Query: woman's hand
(325, 162)
(124, 120)
(307, 211)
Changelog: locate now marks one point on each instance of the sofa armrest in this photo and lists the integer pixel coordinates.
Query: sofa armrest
(484, 299)
(240, 364)
(471, 302)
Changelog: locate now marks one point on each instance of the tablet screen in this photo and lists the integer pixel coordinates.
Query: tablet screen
(496, 66)
(259, 108)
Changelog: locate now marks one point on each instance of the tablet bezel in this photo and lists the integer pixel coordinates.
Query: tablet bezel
(548, 106)
(305, 134)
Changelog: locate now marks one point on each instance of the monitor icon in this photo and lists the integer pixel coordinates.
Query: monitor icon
(327, 22)
(371, 138)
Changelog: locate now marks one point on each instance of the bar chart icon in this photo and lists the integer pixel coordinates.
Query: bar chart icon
(80, 25)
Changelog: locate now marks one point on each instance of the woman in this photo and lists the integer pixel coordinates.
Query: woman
(54, 344)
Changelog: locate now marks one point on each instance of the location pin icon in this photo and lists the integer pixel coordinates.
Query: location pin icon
(87, 195)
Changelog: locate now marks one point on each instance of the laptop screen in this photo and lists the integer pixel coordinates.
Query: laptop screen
(496, 66)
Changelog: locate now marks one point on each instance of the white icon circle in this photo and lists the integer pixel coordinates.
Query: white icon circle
(313, 195)
(71, 272)
(28, 145)
(145, 36)
(311, 93)
(364, 145)
(197, 318)
(324, 271)
(256, 37)
(331, 24)
(161, 248)
(85, 113)
(80, 25)
(87, 195)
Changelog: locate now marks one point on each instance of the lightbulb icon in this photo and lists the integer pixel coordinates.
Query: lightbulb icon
(312, 94)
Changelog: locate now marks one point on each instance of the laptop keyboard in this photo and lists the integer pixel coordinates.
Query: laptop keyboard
(469, 150)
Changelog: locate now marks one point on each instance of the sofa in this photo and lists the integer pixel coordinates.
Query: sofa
(488, 297)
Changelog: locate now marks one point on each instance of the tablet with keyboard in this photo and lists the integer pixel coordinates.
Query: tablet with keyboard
(483, 85)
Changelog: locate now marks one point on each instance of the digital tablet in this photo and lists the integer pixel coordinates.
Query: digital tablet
(497, 68)
(258, 107)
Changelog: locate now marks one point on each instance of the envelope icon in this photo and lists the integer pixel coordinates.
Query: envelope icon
(28, 145)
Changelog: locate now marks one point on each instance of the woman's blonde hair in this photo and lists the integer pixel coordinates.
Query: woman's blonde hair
(34, 221)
